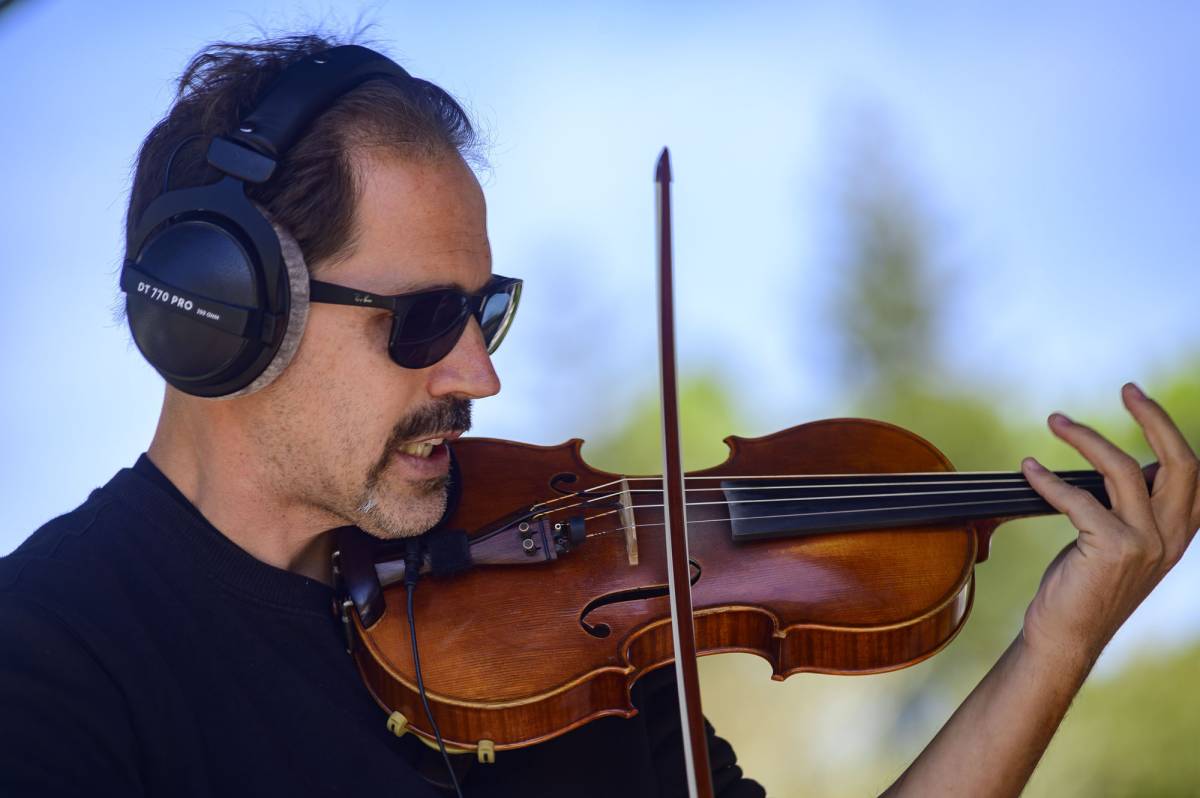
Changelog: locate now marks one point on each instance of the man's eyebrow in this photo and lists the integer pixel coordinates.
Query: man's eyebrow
(420, 288)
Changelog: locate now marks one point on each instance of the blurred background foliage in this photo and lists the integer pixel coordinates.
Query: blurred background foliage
(887, 318)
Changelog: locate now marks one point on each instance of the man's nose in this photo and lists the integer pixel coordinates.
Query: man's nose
(467, 371)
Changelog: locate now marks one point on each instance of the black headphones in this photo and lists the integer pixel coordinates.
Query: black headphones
(216, 295)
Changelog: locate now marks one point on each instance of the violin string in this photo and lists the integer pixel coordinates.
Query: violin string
(577, 493)
(1028, 496)
(843, 485)
(1016, 478)
(951, 477)
(807, 514)
(1019, 479)
(590, 500)
(858, 496)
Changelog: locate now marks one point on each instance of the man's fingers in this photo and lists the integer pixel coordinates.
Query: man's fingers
(1123, 475)
(1160, 430)
(1176, 489)
(1085, 512)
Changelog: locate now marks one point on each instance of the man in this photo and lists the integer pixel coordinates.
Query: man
(174, 634)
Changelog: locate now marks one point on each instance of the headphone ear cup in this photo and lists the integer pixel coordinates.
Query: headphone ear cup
(216, 299)
(193, 259)
(297, 273)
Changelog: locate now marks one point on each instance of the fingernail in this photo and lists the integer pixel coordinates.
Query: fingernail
(1060, 418)
(1033, 465)
(1138, 391)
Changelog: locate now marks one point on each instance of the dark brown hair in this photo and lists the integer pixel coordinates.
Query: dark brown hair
(314, 189)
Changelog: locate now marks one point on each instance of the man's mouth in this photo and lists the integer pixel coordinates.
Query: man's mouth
(421, 448)
(425, 447)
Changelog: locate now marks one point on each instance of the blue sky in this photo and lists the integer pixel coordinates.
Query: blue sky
(1055, 148)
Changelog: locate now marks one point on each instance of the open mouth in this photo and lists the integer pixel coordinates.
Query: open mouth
(421, 448)
(425, 448)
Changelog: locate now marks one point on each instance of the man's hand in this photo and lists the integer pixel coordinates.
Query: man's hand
(991, 744)
(1097, 582)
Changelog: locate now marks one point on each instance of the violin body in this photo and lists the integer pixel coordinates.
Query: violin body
(516, 654)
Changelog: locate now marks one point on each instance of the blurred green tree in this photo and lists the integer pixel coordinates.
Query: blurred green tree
(706, 415)
(888, 314)
(1133, 734)
(886, 318)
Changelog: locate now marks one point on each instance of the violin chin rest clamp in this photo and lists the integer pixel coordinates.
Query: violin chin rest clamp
(397, 724)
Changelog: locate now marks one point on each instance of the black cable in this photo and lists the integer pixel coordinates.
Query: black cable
(171, 159)
(412, 567)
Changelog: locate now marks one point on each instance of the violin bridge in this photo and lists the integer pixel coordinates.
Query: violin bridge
(627, 523)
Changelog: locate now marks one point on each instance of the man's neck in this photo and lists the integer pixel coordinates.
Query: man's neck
(232, 489)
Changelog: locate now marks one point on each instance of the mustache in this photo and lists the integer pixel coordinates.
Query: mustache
(444, 415)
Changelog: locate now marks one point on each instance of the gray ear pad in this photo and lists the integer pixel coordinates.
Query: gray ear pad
(297, 272)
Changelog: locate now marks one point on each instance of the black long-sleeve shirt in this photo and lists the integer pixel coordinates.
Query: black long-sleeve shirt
(143, 653)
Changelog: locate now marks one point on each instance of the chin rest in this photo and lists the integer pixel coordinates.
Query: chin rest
(355, 577)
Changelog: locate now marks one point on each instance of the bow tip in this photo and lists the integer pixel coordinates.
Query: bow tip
(662, 173)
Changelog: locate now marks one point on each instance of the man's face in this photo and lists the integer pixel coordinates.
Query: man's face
(343, 426)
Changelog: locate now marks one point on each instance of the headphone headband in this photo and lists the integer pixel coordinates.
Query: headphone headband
(304, 90)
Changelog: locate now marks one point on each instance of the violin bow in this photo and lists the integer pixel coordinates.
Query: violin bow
(695, 741)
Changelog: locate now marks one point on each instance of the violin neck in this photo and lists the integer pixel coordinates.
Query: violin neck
(774, 507)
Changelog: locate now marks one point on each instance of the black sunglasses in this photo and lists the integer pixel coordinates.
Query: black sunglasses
(427, 324)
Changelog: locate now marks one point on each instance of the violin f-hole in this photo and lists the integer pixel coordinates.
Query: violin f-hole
(563, 478)
(603, 630)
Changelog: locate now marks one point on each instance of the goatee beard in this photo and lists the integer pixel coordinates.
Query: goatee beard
(447, 415)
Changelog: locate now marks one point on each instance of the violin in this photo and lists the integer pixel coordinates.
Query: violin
(845, 546)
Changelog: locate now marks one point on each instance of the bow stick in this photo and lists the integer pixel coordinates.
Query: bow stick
(695, 741)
